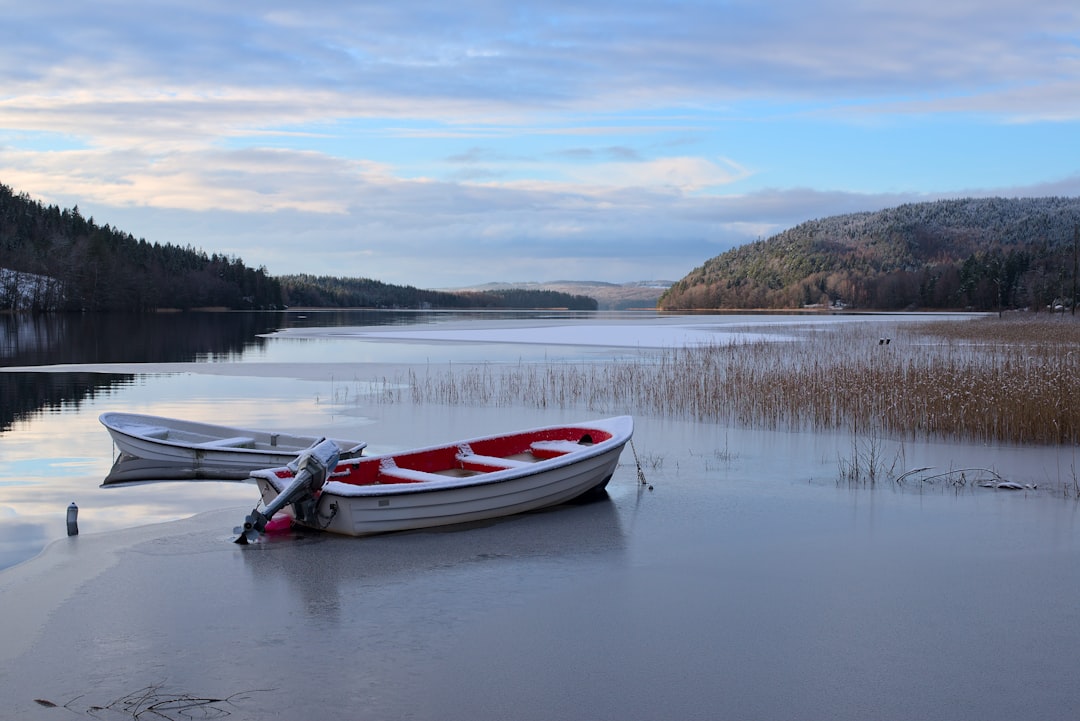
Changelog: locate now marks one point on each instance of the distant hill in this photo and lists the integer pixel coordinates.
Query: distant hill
(984, 254)
(609, 296)
(334, 292)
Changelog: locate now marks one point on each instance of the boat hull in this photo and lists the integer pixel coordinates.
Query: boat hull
(358, 510)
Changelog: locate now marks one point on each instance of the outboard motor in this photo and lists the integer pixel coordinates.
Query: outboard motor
(310, 471)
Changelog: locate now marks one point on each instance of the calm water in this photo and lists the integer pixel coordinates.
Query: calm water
(746, 584)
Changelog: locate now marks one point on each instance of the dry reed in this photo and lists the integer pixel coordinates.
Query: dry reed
(992, 380)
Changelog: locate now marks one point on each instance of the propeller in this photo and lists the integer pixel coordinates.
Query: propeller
(254, 525)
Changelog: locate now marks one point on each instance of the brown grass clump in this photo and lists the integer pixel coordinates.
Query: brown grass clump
(1043, 329)
(993, 380)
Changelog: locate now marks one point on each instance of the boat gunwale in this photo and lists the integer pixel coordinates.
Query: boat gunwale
(290, 451)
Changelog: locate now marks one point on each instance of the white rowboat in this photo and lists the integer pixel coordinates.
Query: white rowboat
(196, 449)
(469, 480)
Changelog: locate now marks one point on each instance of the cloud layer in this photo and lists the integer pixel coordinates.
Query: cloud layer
(442, 146)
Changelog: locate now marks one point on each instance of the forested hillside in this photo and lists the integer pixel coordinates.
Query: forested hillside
(99, 268)
(324, 291)
(983, 254)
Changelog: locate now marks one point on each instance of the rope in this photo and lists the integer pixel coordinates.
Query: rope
(640, 473)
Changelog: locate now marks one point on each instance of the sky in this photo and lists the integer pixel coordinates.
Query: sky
(443, 145)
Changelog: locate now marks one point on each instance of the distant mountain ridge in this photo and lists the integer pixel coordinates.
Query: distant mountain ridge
(980, 253)
(609, 296)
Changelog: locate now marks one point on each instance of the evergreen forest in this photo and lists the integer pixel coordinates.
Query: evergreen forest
(329, 292)
(57, 260)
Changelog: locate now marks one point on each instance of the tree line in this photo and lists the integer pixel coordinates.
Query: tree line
(333, 292)
(93, 267)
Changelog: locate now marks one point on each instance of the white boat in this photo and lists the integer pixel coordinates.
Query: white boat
(172, 448)
(469, 480)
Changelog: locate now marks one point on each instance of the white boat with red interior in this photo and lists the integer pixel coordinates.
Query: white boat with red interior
(467, 480)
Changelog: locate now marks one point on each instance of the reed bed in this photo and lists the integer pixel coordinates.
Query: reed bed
(992, 380)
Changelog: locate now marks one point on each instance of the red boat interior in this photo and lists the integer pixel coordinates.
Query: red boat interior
(467, 458)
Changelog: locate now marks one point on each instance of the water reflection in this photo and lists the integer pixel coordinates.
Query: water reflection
(24, 394)
(127, 471)
(325, 571)
(56, 339)
(339, 318)
(115, 338)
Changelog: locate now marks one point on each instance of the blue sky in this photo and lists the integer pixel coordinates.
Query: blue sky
(443, 146)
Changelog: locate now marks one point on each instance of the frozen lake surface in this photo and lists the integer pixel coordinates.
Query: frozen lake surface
(746, 583)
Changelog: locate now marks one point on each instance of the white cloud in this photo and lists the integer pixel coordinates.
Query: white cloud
(687, 174)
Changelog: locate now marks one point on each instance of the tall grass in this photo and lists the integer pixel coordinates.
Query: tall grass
(1015, 381)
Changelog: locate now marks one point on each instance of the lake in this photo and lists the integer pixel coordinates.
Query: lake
(742, 580)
